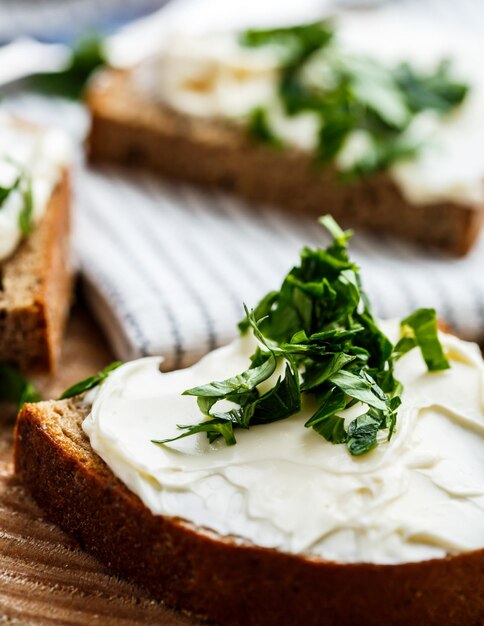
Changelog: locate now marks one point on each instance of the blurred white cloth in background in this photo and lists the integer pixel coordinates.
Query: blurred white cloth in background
(55, 20)
(166, 268)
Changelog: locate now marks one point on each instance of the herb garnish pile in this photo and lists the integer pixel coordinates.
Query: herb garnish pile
(351, 93)
(320, 328)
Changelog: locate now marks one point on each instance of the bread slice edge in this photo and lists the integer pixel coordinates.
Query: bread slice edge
(37, 285)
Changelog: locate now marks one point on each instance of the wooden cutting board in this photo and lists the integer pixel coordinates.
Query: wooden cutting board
(44, 577)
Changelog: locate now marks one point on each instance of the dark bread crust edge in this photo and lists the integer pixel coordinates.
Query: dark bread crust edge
(129, 129)
(32, 325)
(217, 578)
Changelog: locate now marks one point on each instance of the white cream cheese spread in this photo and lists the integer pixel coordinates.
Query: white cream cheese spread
(417, 497)
(215, 76)
(36, 155)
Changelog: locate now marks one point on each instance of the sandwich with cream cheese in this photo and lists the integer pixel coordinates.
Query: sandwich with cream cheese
(324, 468)
(35, 264)
(309, 117)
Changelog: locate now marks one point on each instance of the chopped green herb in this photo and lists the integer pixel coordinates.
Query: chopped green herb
(280, 402)
(214, 428)
(362, 433)
(332, 429)
(319, 329)
(260, 130)
(91, 382)
(25, 220)
(421, 329)
(6, 191)
(87, 55)
(14, 387)
(24, 185)
(438, 91)
(298, 42)
(352, 93)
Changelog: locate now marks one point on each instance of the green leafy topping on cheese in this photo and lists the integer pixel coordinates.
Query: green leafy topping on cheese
(420, 329)
(25, 218)
(6, 191)
(90, 382)
(23, 185)
(353, 93)
(318, 340)
(260, 129)
(297, 43)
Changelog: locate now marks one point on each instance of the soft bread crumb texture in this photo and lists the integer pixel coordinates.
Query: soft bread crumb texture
(35, 289)
(131, 130)
(223, 579)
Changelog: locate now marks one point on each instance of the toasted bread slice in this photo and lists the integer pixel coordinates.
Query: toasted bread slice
(128, 128)
(225, 579)
(35, 289)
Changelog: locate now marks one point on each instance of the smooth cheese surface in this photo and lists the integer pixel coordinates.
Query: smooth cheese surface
(214, 76)
(283, 486)
(38, 153)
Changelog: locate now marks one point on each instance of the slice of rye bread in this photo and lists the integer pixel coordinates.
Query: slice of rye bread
(35, 289)
(225, 579)
(130, 129)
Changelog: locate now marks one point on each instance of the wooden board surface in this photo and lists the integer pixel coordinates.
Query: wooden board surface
(44, 577)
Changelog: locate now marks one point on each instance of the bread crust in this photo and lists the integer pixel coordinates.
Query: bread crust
(130, 129)
(224, 579)
(36, 288)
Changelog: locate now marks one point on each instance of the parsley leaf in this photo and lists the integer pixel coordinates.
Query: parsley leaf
(87, 55)
(331, 402)
(362, 433)
(25, 218)
(24, 185)
(259, 128)
(283, 400)
(278, 403)
(438, 91)
(6, 191)
(319, 328)
(240, 384)
(214, 428)
(298, 42)
(421, 328)
(332, 428)
(14, 387)
(360, 386)
(89, 383)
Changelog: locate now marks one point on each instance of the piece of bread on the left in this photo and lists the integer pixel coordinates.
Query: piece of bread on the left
(36, 282)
